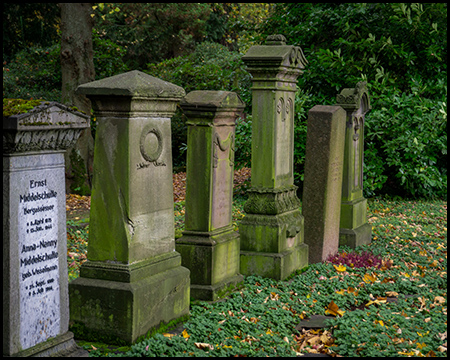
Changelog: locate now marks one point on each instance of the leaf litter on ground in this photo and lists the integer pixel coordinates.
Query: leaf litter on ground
(387, 298)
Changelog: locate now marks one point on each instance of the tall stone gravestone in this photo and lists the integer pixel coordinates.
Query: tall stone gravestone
(354, 228)
(35, 277)
(272, 230)
(322, 187)
(210, 247)
(133, 279)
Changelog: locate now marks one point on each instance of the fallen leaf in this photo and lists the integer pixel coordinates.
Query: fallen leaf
(340, 268)
(168, 335)
(369, 278)
(204, 346)
(391, 293)
(439, 300)
(333, 309)
(185, 334)
(314, 340)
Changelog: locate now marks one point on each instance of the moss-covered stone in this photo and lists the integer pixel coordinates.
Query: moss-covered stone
(19, 106)
(272, 231)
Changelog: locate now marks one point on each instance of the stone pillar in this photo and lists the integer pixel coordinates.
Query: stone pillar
(133, 279)
(272, 229)
(209, 247)
(354, 228)
(322, 188)
(35, 277)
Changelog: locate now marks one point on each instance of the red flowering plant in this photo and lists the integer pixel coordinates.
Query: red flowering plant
(358, 260)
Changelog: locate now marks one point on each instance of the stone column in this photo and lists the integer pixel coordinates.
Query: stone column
(322, 188)
(272, 229)
(209, 247)
(35, 277)
(133, 279)
(354, 228)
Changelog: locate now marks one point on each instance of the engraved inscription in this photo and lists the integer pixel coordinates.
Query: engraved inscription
(38, 263)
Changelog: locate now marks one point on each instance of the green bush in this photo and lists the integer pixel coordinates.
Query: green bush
(210, 67)
(394, 47)
(408, 133)
(35, 72)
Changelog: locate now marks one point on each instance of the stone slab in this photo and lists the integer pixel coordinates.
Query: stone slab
(35, 265)
(322, 187)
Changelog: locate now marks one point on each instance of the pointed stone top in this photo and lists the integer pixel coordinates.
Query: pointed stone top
(277, 39)
(132, 83)
(43, 115)
(355, 98)
(274, 53)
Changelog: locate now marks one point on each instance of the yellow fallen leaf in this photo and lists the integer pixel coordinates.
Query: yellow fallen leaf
(421, 345)
(341, 292)
(369, 278)
(228, 346)
(379, 322)
(168, 335)
(340, 268)
(269, 332)
(185, 334)
(376, 301)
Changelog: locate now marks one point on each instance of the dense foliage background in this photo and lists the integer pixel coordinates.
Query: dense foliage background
(399, 49)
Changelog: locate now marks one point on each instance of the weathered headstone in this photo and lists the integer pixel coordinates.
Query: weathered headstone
(322, 186)
(354, 228)
(209, 246)
(35, 277)
(272, 230)
(133, 279)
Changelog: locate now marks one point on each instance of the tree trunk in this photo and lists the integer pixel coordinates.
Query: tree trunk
(77, 66)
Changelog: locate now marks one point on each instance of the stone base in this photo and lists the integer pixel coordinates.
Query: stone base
(362, 235)
(217, 291)
(277, 266)
(59, 346)
(123, 302)
(213, 259)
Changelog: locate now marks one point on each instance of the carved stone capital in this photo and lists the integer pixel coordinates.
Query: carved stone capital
(272, 201)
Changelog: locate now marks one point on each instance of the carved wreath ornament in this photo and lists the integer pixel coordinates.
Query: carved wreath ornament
(145, 145)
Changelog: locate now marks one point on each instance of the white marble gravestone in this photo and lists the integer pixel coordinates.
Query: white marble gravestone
(35, 278)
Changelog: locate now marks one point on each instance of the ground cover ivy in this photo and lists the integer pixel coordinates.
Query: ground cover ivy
(391, 302)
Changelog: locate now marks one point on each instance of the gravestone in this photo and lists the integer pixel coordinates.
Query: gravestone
(209, 247)
(133, 279)
(35, 277)
(272, 230)
(354, 228)
(322, 187)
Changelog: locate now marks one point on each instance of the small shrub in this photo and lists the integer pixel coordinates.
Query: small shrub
(355, 260)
